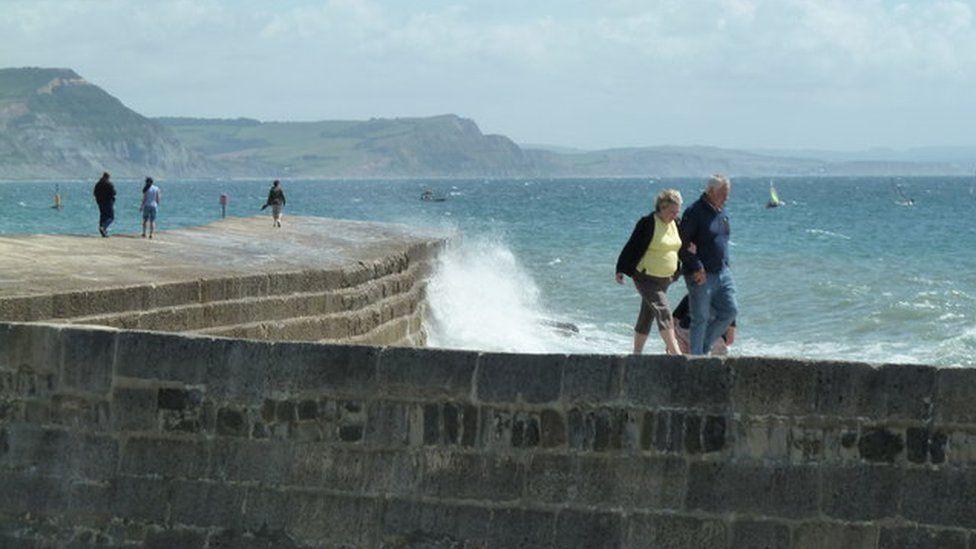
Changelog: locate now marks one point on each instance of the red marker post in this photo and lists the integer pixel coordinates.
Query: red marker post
(223, 205)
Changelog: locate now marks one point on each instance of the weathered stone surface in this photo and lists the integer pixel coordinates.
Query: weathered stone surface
(87, 357)
(201, 503)
(833, 535)
(592, 378)
(429, 373)
(771, 490)
(417, 524)
(134, 409)
(519, 378)
(675, 531)
(848, 389)
(921, 538)
(932, 496)
(861, 493)
(30, 347)
(180, 458)
(759, 534)
(955, 395)
(675, 381)
(773, 386)
(587, 529)
(472, 476)
(880, 445)
(166, 357)
(909, 391)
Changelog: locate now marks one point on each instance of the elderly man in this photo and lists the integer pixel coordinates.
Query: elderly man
(711, 290)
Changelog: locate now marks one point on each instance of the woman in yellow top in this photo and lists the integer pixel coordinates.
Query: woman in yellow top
(650, 257)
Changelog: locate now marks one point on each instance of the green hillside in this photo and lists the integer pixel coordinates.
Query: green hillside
(53, 123)
(435, 146)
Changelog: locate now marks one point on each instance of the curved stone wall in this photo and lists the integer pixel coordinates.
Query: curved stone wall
(316, 280)
(113, 437)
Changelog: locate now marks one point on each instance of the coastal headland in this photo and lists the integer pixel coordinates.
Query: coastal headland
(126, 421)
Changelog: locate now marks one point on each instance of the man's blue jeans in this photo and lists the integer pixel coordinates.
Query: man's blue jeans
(712, 307)
(106, 215)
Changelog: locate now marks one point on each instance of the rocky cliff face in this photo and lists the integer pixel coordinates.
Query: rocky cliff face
(53, 123)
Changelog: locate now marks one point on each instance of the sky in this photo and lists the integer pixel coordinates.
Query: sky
(817, 74)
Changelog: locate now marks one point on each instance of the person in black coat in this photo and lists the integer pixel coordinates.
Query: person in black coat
(105, 198)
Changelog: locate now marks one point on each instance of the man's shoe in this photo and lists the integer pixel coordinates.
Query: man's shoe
(103, 232)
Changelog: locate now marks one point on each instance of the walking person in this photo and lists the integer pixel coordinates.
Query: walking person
(276, 199)
(104, 193)
(650, 258)
(711, 289)
(151, 197)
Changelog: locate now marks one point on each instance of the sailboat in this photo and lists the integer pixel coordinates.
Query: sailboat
(902, 199)
(774, 201)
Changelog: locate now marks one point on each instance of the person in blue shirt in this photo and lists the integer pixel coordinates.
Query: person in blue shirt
(711, 289)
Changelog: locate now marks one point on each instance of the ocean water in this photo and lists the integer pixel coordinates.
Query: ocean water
(841, 272)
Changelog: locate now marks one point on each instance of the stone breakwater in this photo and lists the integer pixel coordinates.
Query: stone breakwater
(126, 421)
(314, 280)
(113, 437)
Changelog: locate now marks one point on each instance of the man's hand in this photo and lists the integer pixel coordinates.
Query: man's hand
(619, 278)
(730, 335)
(699, 276)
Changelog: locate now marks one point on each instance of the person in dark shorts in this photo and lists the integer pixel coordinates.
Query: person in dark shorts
(650, 258)
(104, 193)
(276, 199)
(682, 326)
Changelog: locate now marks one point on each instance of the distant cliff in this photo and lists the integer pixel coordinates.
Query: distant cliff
(54, 124)
(445, 145)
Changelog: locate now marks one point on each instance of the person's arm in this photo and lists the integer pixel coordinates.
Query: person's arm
(624, 260)
(283, 198)
(688, 230)
(159, 196)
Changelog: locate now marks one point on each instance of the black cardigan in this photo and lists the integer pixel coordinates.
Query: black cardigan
(635, 247)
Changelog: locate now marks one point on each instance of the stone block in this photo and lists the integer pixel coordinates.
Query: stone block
(167, 357)
(932, 496)
(205, 504)
(910, 391)
(767, 489)
(240, 460)
(759, 534)
(408, 523)
(138, 499)
(533, 379)
(861, 492)
(553, 429)
(525, 430)
(592, 379)
(232, 422)
(30, 347)
(247, 371)
(520, 528)
(345, 521)
(87, 358)
(587, 529)
(693, 434)
(848, 389)
(713, 434)
(336, 468)
(773, 386)
(644, 482)
(495, 428)
(432, 424)
(134, 409)
(675, 531)
(879, 445)
(347, 370)
(472, 476)
(57, 452)
(676, 381)
(387, 424)
(551, 478)
(833, 535)
(427, 373)
(921, 538)
(175, 539)
(166, 457)
(26, 492)
(955, 395)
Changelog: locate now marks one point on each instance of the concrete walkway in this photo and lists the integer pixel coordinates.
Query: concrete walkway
(44, 264)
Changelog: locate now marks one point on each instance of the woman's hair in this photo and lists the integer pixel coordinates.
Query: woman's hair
(667, 196)
(275, 183)
(149, 183)
(104, 177)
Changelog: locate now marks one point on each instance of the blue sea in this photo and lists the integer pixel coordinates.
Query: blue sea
(841, 272)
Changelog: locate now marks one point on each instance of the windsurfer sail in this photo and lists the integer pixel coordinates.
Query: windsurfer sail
(902, 199)
(774, 201)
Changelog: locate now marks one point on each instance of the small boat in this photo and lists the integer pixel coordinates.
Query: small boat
(902, 199)
(428, 196)
(774, 201)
